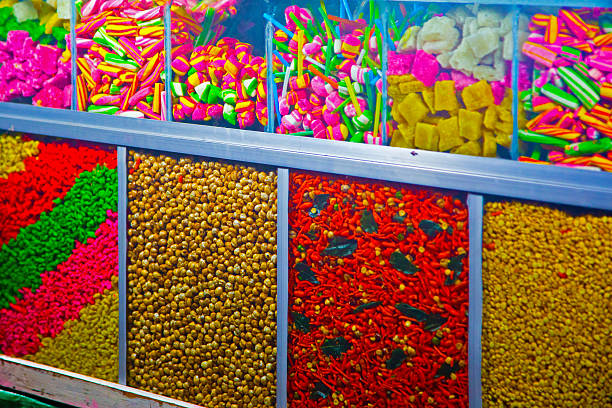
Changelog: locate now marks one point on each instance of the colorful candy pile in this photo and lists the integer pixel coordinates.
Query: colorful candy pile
(58, 253)
(219, 80)
(570, 99)
(121, 69)
(34, 65)
(449, 77)
(327, 76)
(378, 295)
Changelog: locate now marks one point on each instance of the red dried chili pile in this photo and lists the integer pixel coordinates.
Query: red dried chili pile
(378, 291)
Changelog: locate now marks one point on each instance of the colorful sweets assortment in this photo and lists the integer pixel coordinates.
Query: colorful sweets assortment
(34, 62)
(202, 281)
(217, 79)
(378, 295)
(327, 75)
(58, 258)
(450, 79)
(570, 99)
(546, 307)
(121, 58)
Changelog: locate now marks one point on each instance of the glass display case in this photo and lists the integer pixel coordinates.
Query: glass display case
(121, 59)
(34, 52)
(58, 280)
(202, 280)
(215, 258)
(566, 88)
(378, 294)
(450, 83)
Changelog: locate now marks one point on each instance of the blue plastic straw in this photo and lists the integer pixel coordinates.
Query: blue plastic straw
(280, 57)
(278, 25)
(349, 15)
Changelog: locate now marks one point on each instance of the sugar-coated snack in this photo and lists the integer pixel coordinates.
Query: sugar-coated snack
(456, 65)
(568, 101)
(327, 69)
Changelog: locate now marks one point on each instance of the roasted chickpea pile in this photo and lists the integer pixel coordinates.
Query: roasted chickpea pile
(547, 302)
(202, 281)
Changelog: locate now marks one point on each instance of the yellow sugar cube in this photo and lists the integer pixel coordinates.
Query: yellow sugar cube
(445, 97)
(426, 137)
(428, 97)
(413, 109)
(490, 117)
(504, 139)
(403, 137)
(489, 145)
(471, 148)
(395, 113)
(407, 133)
(470, 124)
(504, 127)
(411, 86)
(449, 134)
(504, 114)
(477, 96)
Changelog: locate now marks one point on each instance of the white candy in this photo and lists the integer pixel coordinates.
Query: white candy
(483, 42)
(63, 9)
(488, 17)
(438, 35)
(24, 10)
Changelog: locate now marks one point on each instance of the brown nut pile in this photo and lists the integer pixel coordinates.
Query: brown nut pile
(202, 281)
(547, 297)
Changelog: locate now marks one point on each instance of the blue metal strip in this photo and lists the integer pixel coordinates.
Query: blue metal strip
(385, 67)
(73, 57)
(282, 286)
(122, 174)
(514, 153)
(480, 175)
(475, 208)
(168, 60)
(270, 77)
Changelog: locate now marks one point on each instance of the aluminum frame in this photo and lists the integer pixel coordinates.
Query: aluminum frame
(478, 175)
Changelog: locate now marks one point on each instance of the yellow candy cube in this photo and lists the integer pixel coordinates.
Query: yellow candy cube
(407, 133)
(413, 109)
(504, 127)
(504, 139)
(395, 113)
(428, 97)
(477, 96)
(489, 145)
(412, 86)
(470, 124)
(445, 97)
(449, 134)
(426, 137)
(471, 148)
(490, 117)
(403, 137)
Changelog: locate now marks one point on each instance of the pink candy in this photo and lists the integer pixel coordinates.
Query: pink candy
(63, 293)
